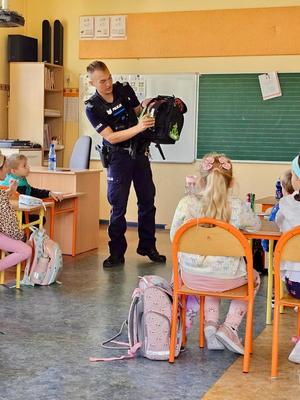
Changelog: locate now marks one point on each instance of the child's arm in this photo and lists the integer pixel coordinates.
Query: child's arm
(40, 193)
(181, 215)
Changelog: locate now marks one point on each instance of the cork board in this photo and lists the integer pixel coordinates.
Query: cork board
(238, 32)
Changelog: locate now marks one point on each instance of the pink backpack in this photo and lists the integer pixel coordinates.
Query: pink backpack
(149, 322)
(46, 262)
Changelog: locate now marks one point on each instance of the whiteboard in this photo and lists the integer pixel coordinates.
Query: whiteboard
(183, 86)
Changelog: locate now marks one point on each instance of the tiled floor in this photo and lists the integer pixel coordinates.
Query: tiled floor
(50, 333)
(257, 384)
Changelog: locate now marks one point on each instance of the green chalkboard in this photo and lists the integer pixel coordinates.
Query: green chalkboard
(235, 120)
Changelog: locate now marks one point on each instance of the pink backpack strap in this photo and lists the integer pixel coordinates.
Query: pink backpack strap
(131, 354)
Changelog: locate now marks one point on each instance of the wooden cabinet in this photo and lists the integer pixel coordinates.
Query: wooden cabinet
(36, 105)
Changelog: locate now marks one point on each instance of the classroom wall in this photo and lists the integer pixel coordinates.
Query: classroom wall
(169, 178)
(20, 7)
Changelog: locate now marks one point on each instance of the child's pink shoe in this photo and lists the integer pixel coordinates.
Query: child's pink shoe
(210, 331)
(295, 353)
(230, 339)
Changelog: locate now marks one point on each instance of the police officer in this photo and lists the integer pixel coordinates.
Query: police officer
(113, 111)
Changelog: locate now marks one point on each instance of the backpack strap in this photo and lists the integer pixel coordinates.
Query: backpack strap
(112, 340)
(131, 354)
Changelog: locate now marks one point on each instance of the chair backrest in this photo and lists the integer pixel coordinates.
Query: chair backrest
(211, 237)
(80, 158)
(287, 249)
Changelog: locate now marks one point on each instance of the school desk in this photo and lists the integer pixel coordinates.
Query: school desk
(20, 209)
(270, 231)
(68, 204)
(73, 181)
(266, 202)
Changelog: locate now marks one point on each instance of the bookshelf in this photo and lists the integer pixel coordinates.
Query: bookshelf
(36, 105)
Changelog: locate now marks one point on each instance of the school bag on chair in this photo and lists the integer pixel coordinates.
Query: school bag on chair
(149, 322)
(46, 261)
(168, 113)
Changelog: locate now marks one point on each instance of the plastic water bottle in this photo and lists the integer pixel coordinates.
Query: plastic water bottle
(190, 185)
(278, 191)
(52, 158)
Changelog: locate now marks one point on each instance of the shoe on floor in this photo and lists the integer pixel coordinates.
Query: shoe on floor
(210, 331)
(113, 261)
(295, 354)
(230, 339)
(153, 254)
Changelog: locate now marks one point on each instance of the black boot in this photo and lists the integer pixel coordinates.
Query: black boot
(113, 261)
(153, 254)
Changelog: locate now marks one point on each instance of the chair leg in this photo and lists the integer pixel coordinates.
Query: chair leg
(248, 337)
(2, 273)
(183, 319)
(270, 284)
(281, 295)
(18, 276)
(274, 371)
(201, 330)
(173, 328)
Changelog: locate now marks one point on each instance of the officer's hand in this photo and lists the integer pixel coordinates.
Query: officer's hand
(145, 122)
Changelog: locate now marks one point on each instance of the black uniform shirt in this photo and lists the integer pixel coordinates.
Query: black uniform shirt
(119, 115)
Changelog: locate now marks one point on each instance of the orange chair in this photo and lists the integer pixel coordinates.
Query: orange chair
(207, 236)
(287, 249)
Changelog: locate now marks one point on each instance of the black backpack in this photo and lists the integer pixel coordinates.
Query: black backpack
(168, 113)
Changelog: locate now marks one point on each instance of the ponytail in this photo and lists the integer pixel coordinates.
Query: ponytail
(215, 196)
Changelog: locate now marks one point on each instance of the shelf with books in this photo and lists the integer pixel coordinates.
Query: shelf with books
(36, 91)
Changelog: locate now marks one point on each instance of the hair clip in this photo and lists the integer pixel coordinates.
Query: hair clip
(207, 163)
(225, 163)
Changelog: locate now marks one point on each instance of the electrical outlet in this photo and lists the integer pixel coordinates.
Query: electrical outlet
(68, 79)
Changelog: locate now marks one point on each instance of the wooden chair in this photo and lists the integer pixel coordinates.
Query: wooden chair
(207, 236)
(287, 249)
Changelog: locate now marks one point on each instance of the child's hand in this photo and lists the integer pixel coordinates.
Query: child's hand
(56, 196)
(13, 186)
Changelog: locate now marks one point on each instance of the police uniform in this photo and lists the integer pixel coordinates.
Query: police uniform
(127, 162)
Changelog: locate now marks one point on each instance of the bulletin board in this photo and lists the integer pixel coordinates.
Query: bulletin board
(205, 33)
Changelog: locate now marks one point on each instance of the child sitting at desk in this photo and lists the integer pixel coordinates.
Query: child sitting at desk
(11, 237)
(287, 188)
(288, 217)
(216, 273)
(19, 170)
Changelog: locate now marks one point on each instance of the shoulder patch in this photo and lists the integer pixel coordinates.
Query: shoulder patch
(89, 105)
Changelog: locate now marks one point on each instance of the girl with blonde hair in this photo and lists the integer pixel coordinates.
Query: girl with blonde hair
(216, 273)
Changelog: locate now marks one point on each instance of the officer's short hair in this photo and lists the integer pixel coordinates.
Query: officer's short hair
(96, 65)
(15, 159)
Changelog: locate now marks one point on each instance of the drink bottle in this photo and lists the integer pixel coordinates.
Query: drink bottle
(278, 190)
(52, 158)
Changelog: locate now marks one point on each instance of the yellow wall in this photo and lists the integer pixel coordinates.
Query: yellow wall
(20, 7)
(169, 178)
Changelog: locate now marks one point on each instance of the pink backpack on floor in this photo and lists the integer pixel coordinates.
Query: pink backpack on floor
(46, 262)
(149, 322)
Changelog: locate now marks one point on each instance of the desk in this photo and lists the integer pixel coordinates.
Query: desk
(266, 202)
(270, 231)
(74, 181)
(58, 209)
